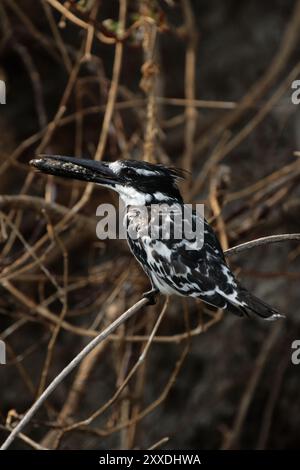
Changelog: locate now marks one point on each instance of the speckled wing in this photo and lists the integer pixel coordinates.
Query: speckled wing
(176, 267)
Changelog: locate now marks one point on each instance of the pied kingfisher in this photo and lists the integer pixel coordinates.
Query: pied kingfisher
(174, 266)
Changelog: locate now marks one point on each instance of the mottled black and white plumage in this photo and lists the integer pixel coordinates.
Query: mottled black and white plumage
(174, 266)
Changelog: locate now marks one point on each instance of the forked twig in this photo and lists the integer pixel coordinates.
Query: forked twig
(110, 329)
(74, 363)
(262, 241)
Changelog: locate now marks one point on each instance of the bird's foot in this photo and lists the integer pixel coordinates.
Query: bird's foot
(151, 296)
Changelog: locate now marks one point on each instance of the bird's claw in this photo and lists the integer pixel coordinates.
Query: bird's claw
(151, 296)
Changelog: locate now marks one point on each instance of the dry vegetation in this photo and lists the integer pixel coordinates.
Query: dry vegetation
(122, 79)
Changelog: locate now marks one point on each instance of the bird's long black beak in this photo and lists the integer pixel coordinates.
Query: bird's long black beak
(75, 168)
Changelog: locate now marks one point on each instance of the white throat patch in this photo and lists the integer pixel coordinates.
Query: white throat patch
(132, 197)
(115, 167)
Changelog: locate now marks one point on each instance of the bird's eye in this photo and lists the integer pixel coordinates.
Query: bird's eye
(128, 172)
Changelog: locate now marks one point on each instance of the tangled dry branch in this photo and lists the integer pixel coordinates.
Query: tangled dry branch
(101, 81)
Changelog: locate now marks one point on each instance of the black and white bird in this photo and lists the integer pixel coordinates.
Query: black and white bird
(174, 266)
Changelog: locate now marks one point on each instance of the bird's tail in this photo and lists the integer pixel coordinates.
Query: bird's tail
(247, 304)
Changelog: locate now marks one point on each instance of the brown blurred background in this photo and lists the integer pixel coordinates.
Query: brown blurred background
(201, 85)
